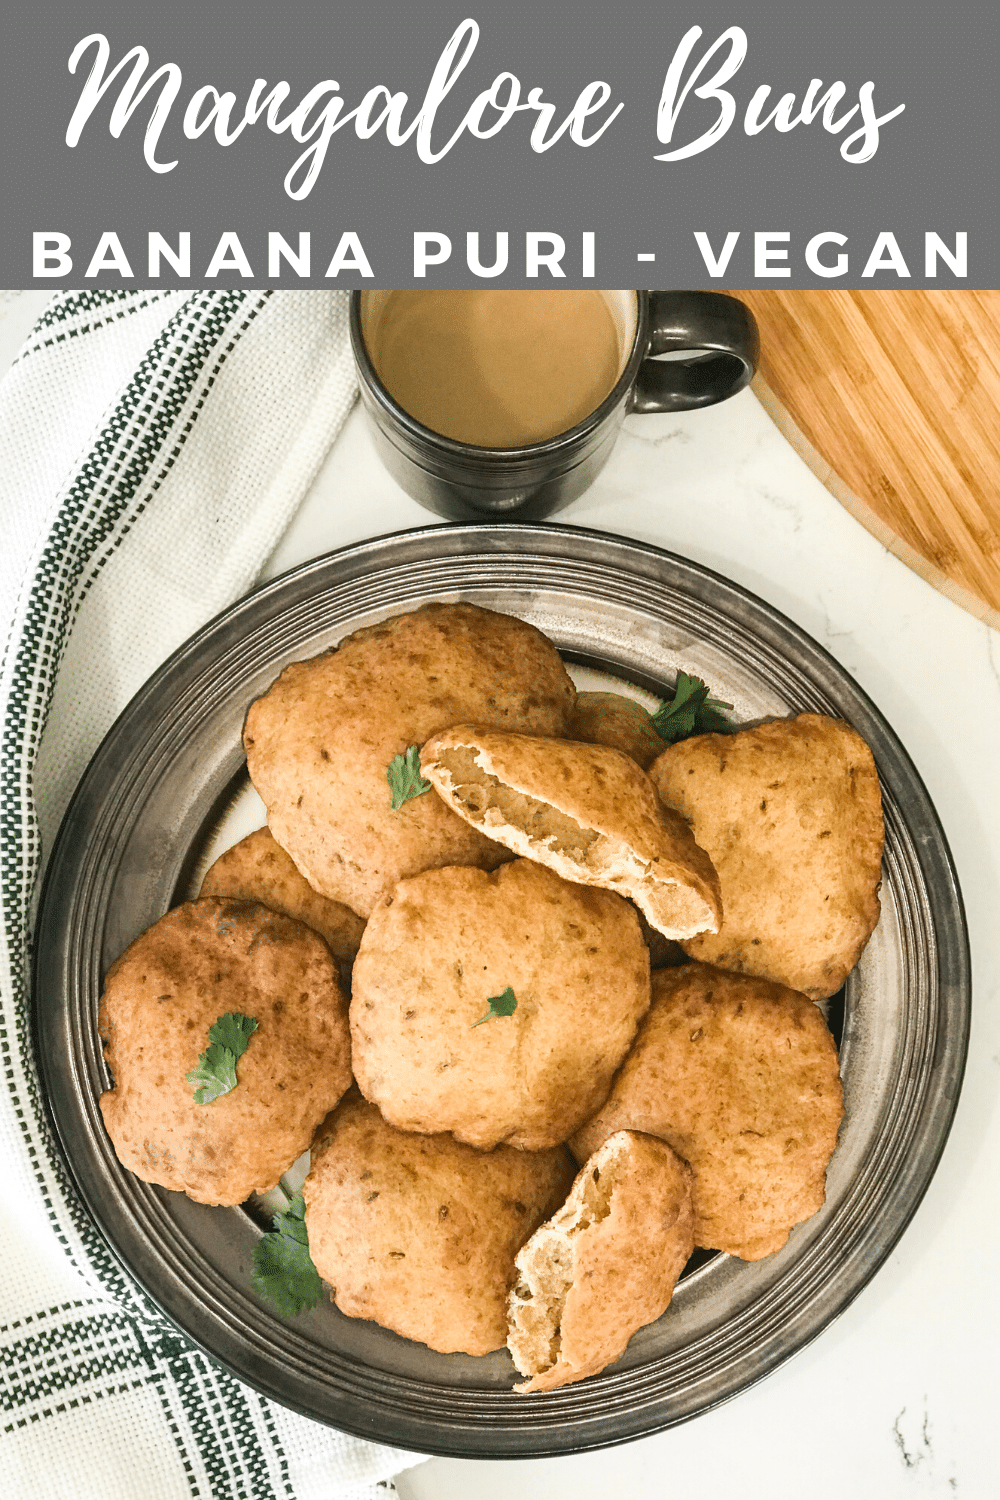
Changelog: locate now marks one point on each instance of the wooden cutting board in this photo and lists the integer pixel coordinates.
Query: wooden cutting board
(893, 399)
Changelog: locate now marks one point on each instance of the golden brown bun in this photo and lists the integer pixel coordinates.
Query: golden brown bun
(791, 815)
(320, 742)
(585, 811)
(433, 955)
(602, 1267)
(418, 1232)
(614, 720)
(740, 1077)
(258, 869)
(191, 967)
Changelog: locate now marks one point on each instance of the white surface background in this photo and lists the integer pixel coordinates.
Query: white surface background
(897, 1399)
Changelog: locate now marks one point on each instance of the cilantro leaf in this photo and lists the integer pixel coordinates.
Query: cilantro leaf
(215, 1074)
(233, 1031)
(283, 1272)
(404, 778)
(690, 711)
(500, 1006)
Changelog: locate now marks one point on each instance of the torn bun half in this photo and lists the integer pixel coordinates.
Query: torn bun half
(602, 1267)
(587, 812)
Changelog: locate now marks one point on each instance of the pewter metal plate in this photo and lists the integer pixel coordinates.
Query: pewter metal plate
(166, 779)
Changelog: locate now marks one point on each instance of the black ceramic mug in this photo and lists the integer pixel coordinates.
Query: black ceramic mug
(463, 480)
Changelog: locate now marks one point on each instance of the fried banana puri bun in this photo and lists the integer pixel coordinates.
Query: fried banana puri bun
(612, 719)
(791, 815)
(586, 811)
(604, 1265)
(198, 963)
(418, 1232)
(740, 1077)
(258, 869)
(319, 744)
(567, 968)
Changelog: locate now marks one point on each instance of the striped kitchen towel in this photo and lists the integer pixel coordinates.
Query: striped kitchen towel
(153, 447)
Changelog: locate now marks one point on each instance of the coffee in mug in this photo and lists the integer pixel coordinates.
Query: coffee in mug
(500, 369)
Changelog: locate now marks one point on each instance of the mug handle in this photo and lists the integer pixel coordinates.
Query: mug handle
(704, 323)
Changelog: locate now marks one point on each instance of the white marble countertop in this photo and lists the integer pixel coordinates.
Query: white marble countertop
(896, 1399)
